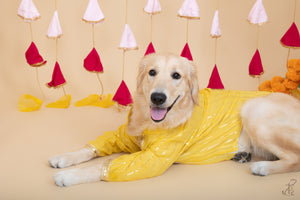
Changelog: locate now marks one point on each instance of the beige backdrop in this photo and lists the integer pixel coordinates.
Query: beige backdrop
(28, 139)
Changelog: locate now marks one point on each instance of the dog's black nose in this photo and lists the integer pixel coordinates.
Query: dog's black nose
(158, 98)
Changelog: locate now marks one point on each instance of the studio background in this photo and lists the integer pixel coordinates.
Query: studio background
(27, 140)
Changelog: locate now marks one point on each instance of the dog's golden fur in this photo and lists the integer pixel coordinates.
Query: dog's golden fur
(271, 130)
(271, 124)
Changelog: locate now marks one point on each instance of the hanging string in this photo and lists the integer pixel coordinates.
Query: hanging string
(93, 33)
(288, 56)
(97, 74)
(295, 11)
(123, 64)
(294, 18)
(126, 12)
(258, 80)
(65, 93)
(126, 6)
(30, 26)
(257, 41)
(101, 85)
(187, 30)
(216, 39)
(56, 41)
(36, 69)
(38, 81)
(151, 27)
(55, 4)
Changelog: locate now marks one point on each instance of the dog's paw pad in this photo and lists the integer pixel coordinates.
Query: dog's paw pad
(56, 162)
(60, 161)
(242, 157)
(63, 179)
(260, 168)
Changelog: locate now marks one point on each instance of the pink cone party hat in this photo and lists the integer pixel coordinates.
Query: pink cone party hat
(291, 38)
(92, 62)
(128, 40)
(150, 49)
(215, 27)
(255, 66)
(189, 9)
(215, 80)
(152, 7)
(93, 13)
(57, 77)
(123, 96)
(186, 52)
(28, 11)
(33, 56)
(54, 30)
(258, 13)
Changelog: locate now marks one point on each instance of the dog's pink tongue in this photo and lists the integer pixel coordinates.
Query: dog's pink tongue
(158, 113)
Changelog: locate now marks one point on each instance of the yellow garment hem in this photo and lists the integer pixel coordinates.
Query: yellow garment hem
(105, 170)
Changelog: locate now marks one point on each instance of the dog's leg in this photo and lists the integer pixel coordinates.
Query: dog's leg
(287, 152)
(271, 144)
(71, 158)
(244, 152)
(78, 175)
(263, 168)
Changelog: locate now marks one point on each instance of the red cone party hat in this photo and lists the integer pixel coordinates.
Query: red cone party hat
(57, 77)
(291, 38)
(123, 96)
(92, 62)
(186, 52)
(150, 49)
(215, 80)
(255, 66)
(33, 56)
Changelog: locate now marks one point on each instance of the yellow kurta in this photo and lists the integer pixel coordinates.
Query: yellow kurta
(210, 136)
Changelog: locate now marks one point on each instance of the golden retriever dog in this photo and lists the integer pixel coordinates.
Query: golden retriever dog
(167, 96)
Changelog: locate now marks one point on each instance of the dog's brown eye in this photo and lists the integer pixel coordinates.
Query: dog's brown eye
(152, 72)
(176, 75)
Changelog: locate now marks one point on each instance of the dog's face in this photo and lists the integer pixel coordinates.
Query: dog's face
(167, 91)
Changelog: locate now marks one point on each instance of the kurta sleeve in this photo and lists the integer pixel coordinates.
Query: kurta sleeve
(153, 160)
(114, 142)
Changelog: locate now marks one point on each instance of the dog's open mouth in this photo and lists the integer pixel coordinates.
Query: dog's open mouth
(158, 114)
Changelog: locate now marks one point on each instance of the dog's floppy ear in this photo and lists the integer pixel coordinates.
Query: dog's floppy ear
(193, 82)
(136, 121)
(141, 73)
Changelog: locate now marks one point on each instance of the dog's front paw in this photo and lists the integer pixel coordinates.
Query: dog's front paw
(61, 161)
(78, 175)
(65, 178)
(71, 158)
(260, 168)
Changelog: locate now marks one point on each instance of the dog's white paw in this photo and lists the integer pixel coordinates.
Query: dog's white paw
(71, 158)
(61, 161)
(65, 178)
(260, 168)
(78, 175)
